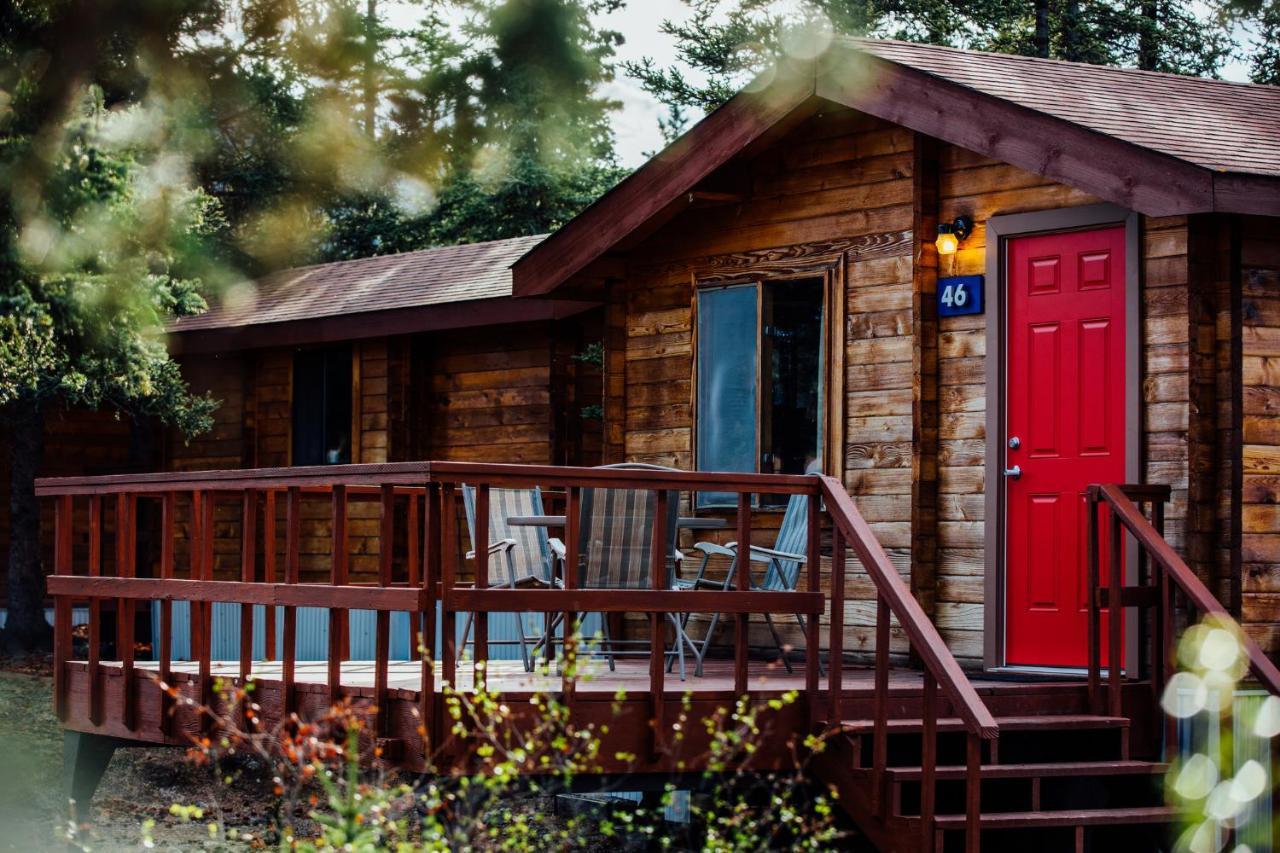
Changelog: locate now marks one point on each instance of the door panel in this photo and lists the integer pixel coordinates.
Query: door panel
(1065, 403)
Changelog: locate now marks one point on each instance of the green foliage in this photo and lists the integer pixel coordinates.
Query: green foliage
(522, 757)
(101, 260)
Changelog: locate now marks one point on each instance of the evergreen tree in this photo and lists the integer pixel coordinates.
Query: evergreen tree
(725, 42)
(101, 239)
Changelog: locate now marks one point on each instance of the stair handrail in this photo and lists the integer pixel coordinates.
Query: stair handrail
(919, 628)
(1180, 574)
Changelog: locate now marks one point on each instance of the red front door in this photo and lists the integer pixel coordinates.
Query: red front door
(1065, 429)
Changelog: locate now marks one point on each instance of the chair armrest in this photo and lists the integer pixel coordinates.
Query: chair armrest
(495, 547)
(713, 548)
(557, 547)
(765, 554)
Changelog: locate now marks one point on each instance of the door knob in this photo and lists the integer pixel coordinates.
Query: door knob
(1015, 472)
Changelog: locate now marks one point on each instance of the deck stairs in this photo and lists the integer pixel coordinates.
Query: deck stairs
(1063, 779)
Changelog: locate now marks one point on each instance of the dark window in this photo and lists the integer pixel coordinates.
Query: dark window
(760, 379)
(322, 406)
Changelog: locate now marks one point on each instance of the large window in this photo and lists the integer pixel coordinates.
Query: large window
(322, 406)
(760, 379)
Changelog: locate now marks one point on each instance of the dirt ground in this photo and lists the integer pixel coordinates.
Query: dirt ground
(139, 785)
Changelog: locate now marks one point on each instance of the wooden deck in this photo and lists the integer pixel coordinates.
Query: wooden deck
(932, 732)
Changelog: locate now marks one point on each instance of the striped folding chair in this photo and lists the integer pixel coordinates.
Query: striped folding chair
(526, 557)
(616, 550)
(782, 573)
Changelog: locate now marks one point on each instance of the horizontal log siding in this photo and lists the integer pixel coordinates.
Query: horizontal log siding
(837, 187)
(486, 395)
(981, 188)
(1260, 522)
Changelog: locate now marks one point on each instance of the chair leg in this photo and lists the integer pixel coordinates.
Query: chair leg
(608, 640)
(701, 652)
(524, 646)
(777, 640)
(466, 633)
(681, 639)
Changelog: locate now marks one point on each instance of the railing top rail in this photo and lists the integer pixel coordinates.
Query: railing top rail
(1182, 575)
(421, 473)
(924, 637)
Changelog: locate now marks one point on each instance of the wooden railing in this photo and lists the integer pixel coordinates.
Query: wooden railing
(893, 598)
(432, 579)
(1162, 577)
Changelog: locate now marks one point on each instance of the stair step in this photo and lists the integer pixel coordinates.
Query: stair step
(1072, 722)
(1037, 770)
(1080, 817)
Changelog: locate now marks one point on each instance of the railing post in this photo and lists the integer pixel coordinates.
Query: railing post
(973, 794)
(248, 574)
(480, 648)
(880, 729)
(205, 562)
(382, 642)
(928, 760)
(338, 647)
(167, 513)
(657, 621)
(125, 568)
(835, 654)
(1095, 618)
(95, 611)
(414, 560)
(1115, 616)
(431, 539)
(269, 572)
(742, 581)
(292, 546)
(812, 641)
(568, 627)
(449, 575)
(63, 564)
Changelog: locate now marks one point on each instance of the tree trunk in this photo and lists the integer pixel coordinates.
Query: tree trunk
(1042, 28)
(25, 628)
(1071, 32)
(371, 69)
(1148, 36)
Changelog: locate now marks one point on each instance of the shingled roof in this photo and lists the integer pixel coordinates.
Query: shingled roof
(1217, 124)
(1158, 144)
(385, 282)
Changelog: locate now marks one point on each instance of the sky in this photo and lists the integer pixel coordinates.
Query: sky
(640, 22)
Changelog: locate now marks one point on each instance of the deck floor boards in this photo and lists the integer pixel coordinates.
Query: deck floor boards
(631, 674)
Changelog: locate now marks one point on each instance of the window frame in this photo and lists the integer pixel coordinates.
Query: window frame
(831, 418)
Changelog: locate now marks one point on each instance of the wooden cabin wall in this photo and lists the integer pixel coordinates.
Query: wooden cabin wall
(837, 191)
(846, 186)
(486, 395)
(1259, 454)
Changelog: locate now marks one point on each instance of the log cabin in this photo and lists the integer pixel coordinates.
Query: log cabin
(1005, 324)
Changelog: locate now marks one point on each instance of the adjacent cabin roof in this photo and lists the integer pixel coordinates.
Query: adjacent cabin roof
(1158, 144)
(447, 287)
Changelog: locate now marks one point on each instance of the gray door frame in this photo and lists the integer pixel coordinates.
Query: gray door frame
(1000, 229)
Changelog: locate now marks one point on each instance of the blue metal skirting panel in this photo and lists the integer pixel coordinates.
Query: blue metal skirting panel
(313, 633)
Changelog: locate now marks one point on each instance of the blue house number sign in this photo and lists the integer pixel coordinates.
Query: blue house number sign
(960, 294)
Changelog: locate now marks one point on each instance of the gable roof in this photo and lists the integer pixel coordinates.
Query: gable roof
(1159, 144)
(448, 287)
(1215, 124)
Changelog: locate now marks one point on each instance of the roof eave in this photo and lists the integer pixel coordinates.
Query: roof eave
(369, 324)
(669, 174)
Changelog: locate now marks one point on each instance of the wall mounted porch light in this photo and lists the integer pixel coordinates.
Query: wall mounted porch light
(951, 233)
